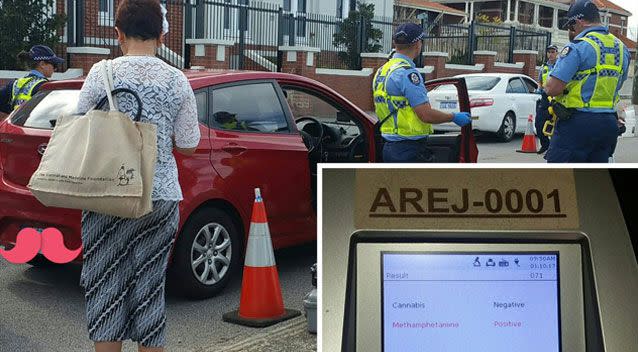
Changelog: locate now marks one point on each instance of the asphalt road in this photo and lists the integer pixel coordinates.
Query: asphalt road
(43, 309)
(492, 151)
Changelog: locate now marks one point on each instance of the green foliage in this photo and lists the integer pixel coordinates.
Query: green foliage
(483, 18)
(23, 24)
(459, 57)
(349, 38)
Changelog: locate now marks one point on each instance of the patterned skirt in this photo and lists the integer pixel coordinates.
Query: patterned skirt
(124, 274)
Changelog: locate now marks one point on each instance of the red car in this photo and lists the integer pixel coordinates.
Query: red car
(266, 130)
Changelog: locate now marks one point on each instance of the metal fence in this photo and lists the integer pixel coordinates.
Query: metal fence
(460, 40)
(254, 32)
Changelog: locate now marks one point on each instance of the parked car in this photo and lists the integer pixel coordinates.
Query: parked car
(266, 130)
(501, 103)
(627, 115)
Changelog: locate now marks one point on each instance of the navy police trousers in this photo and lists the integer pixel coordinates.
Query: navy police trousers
(407, 151)
(584, 138)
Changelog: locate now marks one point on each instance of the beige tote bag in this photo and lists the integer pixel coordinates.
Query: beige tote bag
(103, 161)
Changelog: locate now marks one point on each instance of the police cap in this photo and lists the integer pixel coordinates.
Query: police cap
(408, 33)
(581, 9)
(552, 46)
(44, 53)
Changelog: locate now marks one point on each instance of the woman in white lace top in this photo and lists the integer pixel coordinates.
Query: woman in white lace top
(125, 259)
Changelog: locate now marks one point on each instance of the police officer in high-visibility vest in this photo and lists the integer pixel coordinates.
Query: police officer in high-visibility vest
(402, 104)
(585, 83)
(42, 62)
(542, 114)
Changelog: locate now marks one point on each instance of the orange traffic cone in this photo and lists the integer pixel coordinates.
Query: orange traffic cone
(529, 141)
(261, 303)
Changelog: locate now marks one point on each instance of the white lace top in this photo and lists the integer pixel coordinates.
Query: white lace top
(168, 102)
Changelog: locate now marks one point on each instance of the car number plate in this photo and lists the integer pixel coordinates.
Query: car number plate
(448, 105)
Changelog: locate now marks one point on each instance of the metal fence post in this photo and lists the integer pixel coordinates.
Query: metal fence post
(291, 29)
(419, 59)
(199, 19)
(79, 10)
(280, 38)
(471, 37)
(188, 20)
(243, 26)
(361, 42)
(510, 54)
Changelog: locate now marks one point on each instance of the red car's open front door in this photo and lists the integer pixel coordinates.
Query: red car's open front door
(451, 147)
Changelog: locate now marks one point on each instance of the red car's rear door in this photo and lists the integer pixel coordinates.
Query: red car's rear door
(256, 145)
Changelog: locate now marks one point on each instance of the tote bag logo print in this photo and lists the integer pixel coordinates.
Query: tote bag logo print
(125, 176)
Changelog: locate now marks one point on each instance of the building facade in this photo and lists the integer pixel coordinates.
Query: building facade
(542, 14)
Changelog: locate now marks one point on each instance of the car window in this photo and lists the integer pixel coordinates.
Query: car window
(516, 86)
(201, 98)
(303, 103)
(531, 85)
(483, 83)
(46, 107)
(251, 107)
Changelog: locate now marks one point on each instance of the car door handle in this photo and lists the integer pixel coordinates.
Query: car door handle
(234, 148)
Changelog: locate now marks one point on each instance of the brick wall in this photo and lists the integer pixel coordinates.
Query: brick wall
(357, 89)
(85, 61)
(209, 60)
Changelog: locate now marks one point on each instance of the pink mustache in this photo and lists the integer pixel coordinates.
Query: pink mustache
(29, 242)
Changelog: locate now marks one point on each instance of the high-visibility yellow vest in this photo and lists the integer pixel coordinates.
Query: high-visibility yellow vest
(22, 90)
(405, 122)
(610, 55)
(545, 74)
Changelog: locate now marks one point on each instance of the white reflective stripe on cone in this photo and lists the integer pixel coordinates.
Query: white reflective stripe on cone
(259, 252)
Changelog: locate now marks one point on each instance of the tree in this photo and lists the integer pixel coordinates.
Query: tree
(348, 35)
(24, 23)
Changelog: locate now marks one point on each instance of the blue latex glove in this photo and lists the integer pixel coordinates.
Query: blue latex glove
(461, 118)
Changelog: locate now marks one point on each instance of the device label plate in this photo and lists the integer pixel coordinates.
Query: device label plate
(460, 199)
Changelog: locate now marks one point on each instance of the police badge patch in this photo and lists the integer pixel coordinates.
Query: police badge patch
(566, 50)
(415, 78)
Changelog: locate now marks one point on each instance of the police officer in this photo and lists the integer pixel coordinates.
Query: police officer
(542, 114)
(585, 82)
(402, 104)
(42, 62)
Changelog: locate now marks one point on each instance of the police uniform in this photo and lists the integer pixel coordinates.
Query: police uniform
(542, 114)
(19, 91)
(397, 88)
(595, 65)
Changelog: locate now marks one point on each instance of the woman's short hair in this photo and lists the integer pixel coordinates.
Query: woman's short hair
(140, 19)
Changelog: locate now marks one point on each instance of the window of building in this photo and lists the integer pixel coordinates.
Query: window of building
(546, 16)
(491, 9)
(106, 13)
(562, 18)
(623, 25)
(525, 12)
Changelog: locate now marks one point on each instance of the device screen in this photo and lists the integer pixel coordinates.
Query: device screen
(470, 301)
